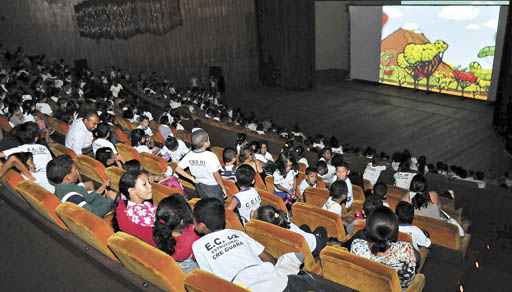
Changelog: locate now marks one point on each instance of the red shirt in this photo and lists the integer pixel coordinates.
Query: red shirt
(126, 224)
(183, 248)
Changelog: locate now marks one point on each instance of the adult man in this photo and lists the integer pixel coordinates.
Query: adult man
(80, 134)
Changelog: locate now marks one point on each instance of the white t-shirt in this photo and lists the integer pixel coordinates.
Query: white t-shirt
(234, 256)
(332, 206)
(44, 108)
(330, 176)
(372, 173)
(350, 193)
(40, 155)
(147, 131)
(115, 89)
(202, 165)
(265, 158)
(143, 149)
(286, 182)
(418, 237)
(176, 155)
(304, 161)
(248, 201)
(78, 137)
(304, 185)
(100, 143)
(403, 179)
(309, 237)
(28, 118)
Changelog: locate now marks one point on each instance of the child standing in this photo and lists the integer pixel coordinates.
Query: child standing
(227, 170)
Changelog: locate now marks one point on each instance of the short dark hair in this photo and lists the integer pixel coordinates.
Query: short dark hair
(27, 132)
(418, 184)
(102, 130)
(171, 143)
(381, 229)
(405, 212)
(245, 175)
(23, 156)
(58, 168)
(210, 212)
(103, 155)
(272, 215)
(321, 167)
(338, 189)
(380, 190)
(311, 169)
(228, 154)
(136, 136)
(132, 166)
(371, 203)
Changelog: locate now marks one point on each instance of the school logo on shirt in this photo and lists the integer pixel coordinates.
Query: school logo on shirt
(219, 246)
(195, 162)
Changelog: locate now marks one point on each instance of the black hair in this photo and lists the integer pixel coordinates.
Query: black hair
(58, 168)
(171, 143)
(371, 203)
(132, 166)
(405, 212)
(27, 133)
(164, 119)
(380, 190)
(418, 184)
(422, 163)
(310, 169)
(421, 200)
(136, 137)
(103, 130)
(127, 181)
(172, 213)
(245, 175)
(338, 190)
(272, 215)
(324, 150)
(333, 142)
(228, 154)
(282, 161)
(23, 156)
(321, 167)
(381, 229)
(211, 213)
(103, 154)
(241, 138)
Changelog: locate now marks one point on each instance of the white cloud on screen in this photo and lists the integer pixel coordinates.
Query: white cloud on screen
(473, 26)
(491, 23)
(459, 12)
(392, 12)
(411, 26)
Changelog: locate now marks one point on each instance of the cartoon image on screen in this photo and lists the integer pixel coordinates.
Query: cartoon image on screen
(445, 49)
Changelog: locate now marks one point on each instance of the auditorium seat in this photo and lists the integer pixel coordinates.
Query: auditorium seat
(59, 126)
(231, 187)
(273, 200)
(87, 226)
(358, 198)
(158, 138)
(233, 221)
(187, 184)
(153, 164)
(41, 200)
(201, 281)
(91, 168)
(123, 123)
(121, 136)
(219, 151)
(147, 261)
(59, 149)
(279, 241)
(260, 184)
(316, 197)
(361, 274)
(12, 179)
(127, 153)
(5, 126)
(269, 184)
(184, 136)
(314, 217)
(114, 173)
(443, 233)
(161, 192)
(320, 184)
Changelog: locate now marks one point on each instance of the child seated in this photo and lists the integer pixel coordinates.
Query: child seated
(144, 125)
(204, 166)
(284, 178)
(134, 212)
(247, 200)
(263, 155)
(227, 170)
(326, 174)
(337, 197)
(316, 240)
(233, 255)
(24, 163)
(140, 142)
(63, 174)
(102, 134)
(309, 181)
(380, 190)
(174, 149)
(174, 231)
(405, 213)
(107, 157)
(342, 173)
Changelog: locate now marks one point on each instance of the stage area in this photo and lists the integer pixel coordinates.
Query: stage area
(442, 127)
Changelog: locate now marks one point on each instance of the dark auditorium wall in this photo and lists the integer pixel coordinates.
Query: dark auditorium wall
(214, 33)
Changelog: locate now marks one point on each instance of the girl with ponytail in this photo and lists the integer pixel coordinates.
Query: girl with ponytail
(174, 232)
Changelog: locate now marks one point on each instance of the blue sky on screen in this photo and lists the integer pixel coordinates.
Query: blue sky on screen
(466, 29)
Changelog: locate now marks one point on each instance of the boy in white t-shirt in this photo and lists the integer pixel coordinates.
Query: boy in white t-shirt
(372, 172)
(174, 149)
(326, 172)
(263, 155)
(337, 197)
(405, 213)
(227, 170)
(247, 200)
(309, 181)
(342, 173)
(204, 167)
(102, 134)
(234, 256)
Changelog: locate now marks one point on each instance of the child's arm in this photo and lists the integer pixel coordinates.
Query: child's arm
(218, 179)
(13, 161)
(266, 257)
(185, 174)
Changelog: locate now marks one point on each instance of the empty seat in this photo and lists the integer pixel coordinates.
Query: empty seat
(123, 123)
(269, 184)
(279, 241)
(147, 262)
(91, 168)
(127, 153)
(161, 192)
(443, 233)
(114, 174)
(59, 149)
(153, 164)
(361, 274)
(358, 198)
(231, 187)
(87, 226)
(271, 199)
(315, 217)
(41, 200)
(201, 281)
(316, 197)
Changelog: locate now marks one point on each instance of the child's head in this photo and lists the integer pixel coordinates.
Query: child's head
(103, 130)
(418, 184)
(172, 216)
(405, 212)
(144, 122)
(171, 143)
(241, 138)
(27, 133)
(200, 139)
(132, 166)
(333, 142)
(342, 171)
(62, 170)
(338, 191)
(311, 175)
(137, 137)
(105, 155)
(380, 190)
(273, 215)
(245, 176)
(263, 147)
(371, 203)
(229, 156)
(135, 186)
(321, 167)
(27, 159)
(326, 154)
(209, 215)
